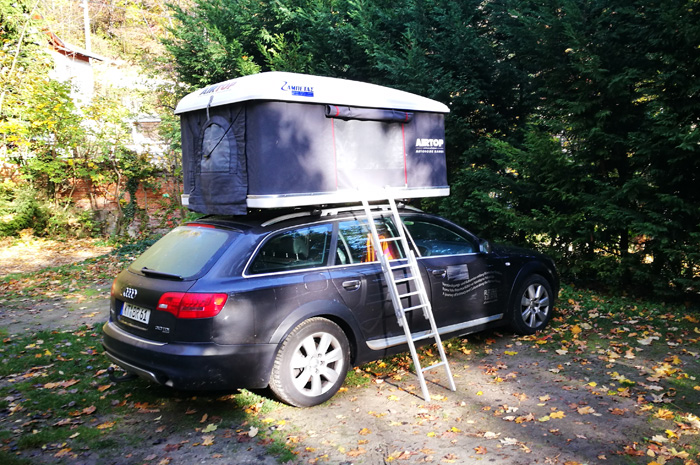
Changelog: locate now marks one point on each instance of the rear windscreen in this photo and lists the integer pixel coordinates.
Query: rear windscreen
(184, 252)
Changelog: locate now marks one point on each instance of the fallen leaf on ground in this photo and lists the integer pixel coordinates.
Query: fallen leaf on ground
(356, 452)
(585, 410)
(211, 427)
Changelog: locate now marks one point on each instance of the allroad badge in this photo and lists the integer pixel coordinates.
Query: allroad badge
(129, 293)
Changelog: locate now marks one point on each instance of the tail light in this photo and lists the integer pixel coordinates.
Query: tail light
(192, 305)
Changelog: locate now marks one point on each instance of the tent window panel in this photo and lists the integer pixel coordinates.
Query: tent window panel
(218, 146)
(368, 145)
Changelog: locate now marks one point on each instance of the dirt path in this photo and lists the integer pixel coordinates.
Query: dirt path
(508, 409)
(27, 255)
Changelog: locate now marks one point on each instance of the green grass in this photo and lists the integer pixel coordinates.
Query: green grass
(50, 382)
(34, 440)
(55, 388)
(645, 343)
(7, 458)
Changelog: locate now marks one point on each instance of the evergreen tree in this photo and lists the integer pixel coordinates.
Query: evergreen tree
(608, 77)
(573, 124)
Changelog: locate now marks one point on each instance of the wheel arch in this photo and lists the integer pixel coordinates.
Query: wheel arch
(329, 309)
(525, 272)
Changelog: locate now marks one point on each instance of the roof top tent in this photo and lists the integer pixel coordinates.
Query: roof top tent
(279, 139)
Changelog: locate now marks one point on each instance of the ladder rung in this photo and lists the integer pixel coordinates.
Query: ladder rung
(399, 267)
(410, 309)
(410, 273)
(433, 366)
(408, 294)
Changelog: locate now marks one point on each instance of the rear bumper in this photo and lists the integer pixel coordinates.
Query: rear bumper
(202, 366)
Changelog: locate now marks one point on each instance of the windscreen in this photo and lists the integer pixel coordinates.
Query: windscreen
(184, 252)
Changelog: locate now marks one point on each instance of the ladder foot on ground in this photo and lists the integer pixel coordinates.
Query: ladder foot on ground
(409, 265)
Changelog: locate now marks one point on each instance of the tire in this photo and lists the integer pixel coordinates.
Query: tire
(533, 306)
(311, 363)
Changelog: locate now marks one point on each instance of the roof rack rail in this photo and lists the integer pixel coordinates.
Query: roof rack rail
(323, 212)
(290, 216)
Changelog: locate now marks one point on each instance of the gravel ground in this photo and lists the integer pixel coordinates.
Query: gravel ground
(517, 402)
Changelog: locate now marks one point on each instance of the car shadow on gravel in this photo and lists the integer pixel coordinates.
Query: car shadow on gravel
(509, 407)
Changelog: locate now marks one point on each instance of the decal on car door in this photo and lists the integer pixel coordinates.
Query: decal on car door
(464, 284)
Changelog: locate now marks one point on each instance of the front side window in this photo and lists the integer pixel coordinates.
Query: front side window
(355, 242)
(296, 249)
(436, 239)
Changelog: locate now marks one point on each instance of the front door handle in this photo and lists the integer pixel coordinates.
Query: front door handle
(440, 273)
(351, 285)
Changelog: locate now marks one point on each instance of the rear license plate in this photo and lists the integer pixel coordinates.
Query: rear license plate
(142, 315)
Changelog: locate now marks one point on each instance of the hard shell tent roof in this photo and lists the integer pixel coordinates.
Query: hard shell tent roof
(283, 139)
(293, 87)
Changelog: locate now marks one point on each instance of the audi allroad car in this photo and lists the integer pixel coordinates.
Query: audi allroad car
(293, 301)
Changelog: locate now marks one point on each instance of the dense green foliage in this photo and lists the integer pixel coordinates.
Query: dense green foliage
(23, 63)
(619, 86)
(573, 124)
(55, 142)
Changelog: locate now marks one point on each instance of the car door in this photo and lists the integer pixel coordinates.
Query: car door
(466, 285)
(291, 268)
(359, 279)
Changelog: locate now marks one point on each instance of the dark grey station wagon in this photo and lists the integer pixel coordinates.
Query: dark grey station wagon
(293, 301)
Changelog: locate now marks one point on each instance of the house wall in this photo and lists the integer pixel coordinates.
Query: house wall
(160, 204)
(78, 71)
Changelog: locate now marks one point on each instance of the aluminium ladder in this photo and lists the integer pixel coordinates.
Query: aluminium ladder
(411, 275)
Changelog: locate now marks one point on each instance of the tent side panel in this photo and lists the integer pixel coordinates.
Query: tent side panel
(190, 128)
(214, 163)
(425, 151)
(370, 154)
(289, 149)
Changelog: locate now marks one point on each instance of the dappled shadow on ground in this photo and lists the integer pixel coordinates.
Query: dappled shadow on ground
(515, 404)
(601, 385)
(31, 254)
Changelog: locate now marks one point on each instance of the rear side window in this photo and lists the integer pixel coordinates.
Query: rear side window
(294, 250)
(436, 239)
(184, 252)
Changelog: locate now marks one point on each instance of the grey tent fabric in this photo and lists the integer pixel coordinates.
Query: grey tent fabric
(368, 114)
(214, 161)
(272, 150)
(290, 149)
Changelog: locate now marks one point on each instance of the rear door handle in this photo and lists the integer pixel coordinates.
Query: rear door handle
(351, 285)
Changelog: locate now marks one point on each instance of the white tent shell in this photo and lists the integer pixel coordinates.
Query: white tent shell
(304, 88)
(279, 139)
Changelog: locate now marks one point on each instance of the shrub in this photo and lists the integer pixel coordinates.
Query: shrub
(21, 209)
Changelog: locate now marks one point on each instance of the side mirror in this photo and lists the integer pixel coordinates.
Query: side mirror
(484, 246)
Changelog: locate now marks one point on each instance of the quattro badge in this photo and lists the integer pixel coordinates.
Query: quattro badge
(129, 293)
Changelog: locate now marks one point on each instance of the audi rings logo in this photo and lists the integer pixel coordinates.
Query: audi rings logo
(129, 293)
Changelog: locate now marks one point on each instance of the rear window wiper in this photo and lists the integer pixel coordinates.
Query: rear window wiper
(160, 274)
